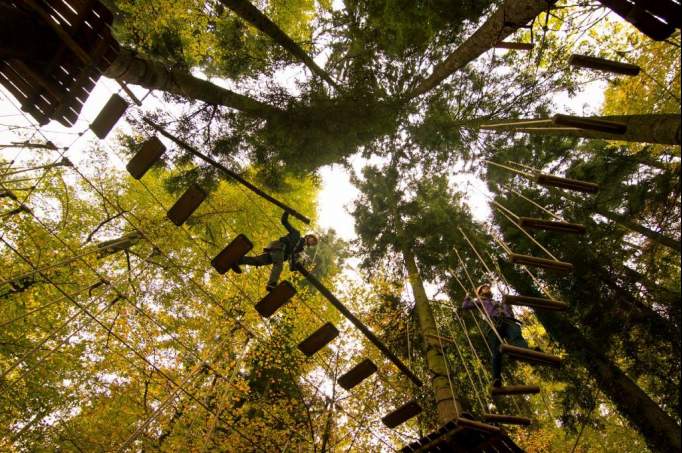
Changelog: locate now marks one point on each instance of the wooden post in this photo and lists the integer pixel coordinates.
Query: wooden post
(401, 415)
(602, 64)
(551, 225)
(535, 302)
(544, 263)
(148, 155)
(186, 204)
(357, 374)
(318, 339)
(107, 118)
(530, 356)
(514, 45)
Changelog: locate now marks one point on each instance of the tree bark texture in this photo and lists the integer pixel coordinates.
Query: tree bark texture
(252, 15)
(661, 128)
(136, 70)
(447, 406)
(505, 21)
(659, 429)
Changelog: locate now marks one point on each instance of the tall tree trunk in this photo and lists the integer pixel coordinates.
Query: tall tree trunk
(447, 405)
(658, 428)
(623, 221)
(505, 21)
(662, 128)
(251, 14)
(136, 70)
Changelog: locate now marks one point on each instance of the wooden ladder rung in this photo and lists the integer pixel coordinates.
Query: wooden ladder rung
(275, 299)
(602, 64)
(567, 183)
(357, 374)
(592, 124)
(514, 45)
(530, 356)
(148, 155)
(401, 414)
(318, 339)
(551, 225)
(107, 118)
(479, 426)
(186, 204)
(515, 390)
(507, 419)
(535, 302)
(240, 246)
(540, 262)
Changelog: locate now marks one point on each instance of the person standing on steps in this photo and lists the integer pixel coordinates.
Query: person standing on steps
(507, 326)
(287, 247)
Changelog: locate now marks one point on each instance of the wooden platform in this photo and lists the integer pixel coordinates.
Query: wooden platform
(534, 302)
(57, 90)
(456, 437)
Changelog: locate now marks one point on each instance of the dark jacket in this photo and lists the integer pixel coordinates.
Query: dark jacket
(292, 242)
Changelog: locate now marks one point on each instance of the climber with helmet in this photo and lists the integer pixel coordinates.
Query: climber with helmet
(503, 318)
(285, 248)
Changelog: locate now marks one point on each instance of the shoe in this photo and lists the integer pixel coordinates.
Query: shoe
(236, 269)
(497, 383)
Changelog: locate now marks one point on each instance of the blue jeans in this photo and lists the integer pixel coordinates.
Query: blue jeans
(510, 331)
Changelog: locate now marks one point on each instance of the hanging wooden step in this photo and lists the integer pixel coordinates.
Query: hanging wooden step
(7, 194)
(276, 298)
(514, 45)
(148, 155)
(535, 302)
(590, 124)
(318, 339)
(540, 262)
(507, 419)
(478, 426)
(106, 119)
(551, 225)
(118, 245)
(602, 64)
(357, 374)
(240, 246)
(401, 414)
(567, 183)
(515, 390)
(186, 204)
(530, 356)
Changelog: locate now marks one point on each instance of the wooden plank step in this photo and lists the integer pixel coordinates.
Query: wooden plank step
(357, 374)
(602, 64)
(7, 194)
(515, 390)
(240, 246)
(551, 225)
(567, 183)
(119, 244)
(148, 155)
(276, 298)
(592, 124)
(318, 339)
(106, 119)
(535, 302)
(186, 204)
(514, 45)
(401, 414)
(540, 262)
(479, 426)
(530, 356)
(507, 419)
